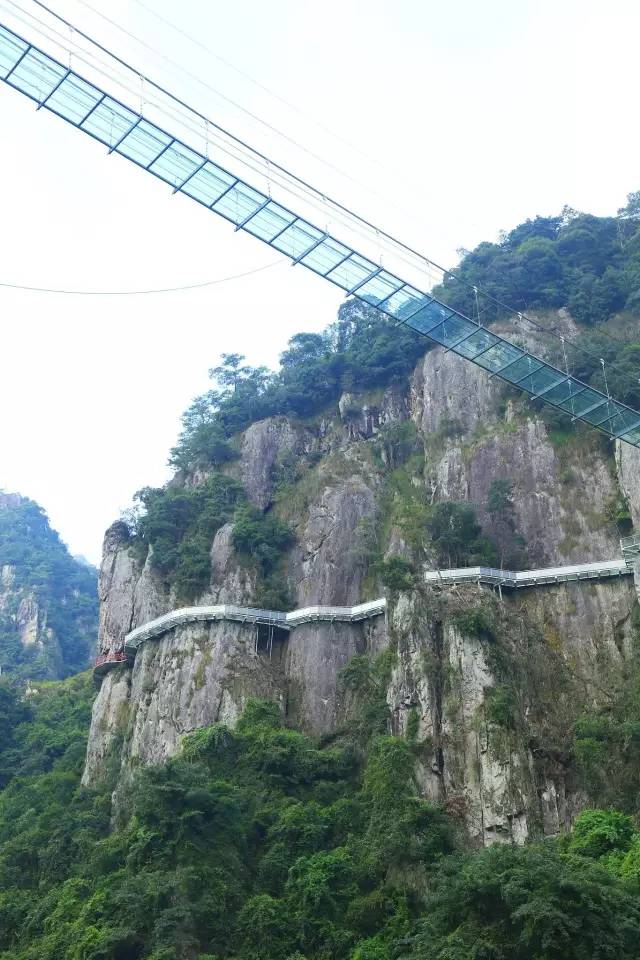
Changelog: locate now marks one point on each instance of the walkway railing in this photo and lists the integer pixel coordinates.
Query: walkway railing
(508, 579)
(517, 579)
(631, 550)
(252, 615)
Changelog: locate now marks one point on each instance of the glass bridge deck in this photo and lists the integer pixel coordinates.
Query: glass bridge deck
(62, 91)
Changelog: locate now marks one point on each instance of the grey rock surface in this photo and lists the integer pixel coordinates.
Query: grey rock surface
(263, 445)
(570, 643)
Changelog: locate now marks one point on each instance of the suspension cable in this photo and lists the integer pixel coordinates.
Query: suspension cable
(325, 199)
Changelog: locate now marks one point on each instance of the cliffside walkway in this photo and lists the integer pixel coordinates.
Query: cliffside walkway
(491, 576)
(251, 615)
(517, 579)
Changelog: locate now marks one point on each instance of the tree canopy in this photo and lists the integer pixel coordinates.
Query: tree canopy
(260, 843)
(588, 264)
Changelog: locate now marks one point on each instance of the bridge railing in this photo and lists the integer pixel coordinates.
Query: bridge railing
(253, 615)
(631, 550)
(516, 579)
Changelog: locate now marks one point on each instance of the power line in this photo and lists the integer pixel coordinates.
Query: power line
(257, 83)
(272, 172)
(235, 148)
(137, 293)
(271, 164)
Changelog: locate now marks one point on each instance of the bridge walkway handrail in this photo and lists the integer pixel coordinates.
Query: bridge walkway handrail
(517, 579)
(252, 615)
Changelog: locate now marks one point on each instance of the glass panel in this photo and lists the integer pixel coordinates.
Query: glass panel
(428, 317)
(629, 419)
(618, 417)
(601, 412)
(540, 380)
(560, 394)
(522, 368)
(499, 355)
(586, 400)
(239, 203)
(325, 256)
(573, 399)
(379, 288)
(351, 272)
(36, 75)
(633, 437)
(207, 184)
(402, 304)
(109, 122)
(476, 344)
(269, 222)
(297, 238)
(144, 143)
(451, 330)
(11, 49)
(73, 99)
(176, 164)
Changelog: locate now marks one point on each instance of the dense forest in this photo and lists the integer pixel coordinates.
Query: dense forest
(259, 843)
(63, 588)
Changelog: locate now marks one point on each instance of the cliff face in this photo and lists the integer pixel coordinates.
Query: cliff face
(491, 687)
(48, 602)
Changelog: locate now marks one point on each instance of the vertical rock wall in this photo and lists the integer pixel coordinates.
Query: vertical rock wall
(556, 651)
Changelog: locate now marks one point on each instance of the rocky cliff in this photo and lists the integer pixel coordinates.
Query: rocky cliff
(48, 602)
(490, 687)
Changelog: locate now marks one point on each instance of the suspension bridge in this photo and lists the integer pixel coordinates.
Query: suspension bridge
(173, 157)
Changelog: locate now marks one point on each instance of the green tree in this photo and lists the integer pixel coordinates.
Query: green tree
(457, 535)
(511, 903)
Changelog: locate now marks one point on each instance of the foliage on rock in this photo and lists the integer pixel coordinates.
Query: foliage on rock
(63, 590)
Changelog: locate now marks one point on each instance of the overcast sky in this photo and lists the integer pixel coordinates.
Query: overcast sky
(474, 116)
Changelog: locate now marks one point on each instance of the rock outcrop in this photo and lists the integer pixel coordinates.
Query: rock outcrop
(48, 602)
(505, 771)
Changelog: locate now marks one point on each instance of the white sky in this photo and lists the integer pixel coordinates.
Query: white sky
(476, 114)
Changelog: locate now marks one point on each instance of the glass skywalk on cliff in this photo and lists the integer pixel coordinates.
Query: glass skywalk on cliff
(125, 131)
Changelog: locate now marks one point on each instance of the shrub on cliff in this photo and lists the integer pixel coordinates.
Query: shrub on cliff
(263, 538)
(457, 536)
(179, 523)
(361, 350)
(257, 843)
